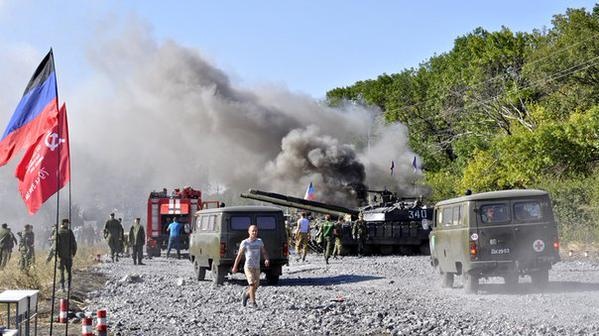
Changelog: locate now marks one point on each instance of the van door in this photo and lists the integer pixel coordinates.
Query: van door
(495, 231)
(535, 230)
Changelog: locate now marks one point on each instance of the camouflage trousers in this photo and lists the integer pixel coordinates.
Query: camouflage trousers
(27, 260)
(4, 257)
(328, 248)
(338, 250)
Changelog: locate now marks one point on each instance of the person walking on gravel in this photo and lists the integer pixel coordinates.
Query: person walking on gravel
(251, 248)
(113, 233)
(66, 248)
(302, 234)
(326, 232)
(137, 240)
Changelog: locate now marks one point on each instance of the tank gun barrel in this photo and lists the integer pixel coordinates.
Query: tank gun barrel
(298, 203)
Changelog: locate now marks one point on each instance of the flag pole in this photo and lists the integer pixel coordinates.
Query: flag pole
(66, 332)
(56, 223)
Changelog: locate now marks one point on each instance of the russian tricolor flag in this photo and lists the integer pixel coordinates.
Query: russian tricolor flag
(310, 193)
(35, 113)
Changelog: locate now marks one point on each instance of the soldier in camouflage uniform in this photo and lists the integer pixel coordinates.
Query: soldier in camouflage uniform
(11, 242)
(359, 232)
(66, 248)
(137, 240)
(338, 233)
(113, 233)
(52, 240)
(6, 240)
(326, 233)
(26, 248)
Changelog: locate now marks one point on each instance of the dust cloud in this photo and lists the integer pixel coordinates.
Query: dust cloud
(158, 114)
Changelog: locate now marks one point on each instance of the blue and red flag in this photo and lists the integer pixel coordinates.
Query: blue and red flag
(35, 113)
(310, 193)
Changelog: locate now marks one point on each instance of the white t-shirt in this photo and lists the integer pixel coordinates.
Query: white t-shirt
(304, 225)
(252, 251)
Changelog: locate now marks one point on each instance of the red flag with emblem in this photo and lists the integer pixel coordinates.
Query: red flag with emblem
(45, 167)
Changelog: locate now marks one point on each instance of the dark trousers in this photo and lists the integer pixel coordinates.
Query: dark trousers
(137, 253)
(174, 242)
(65, 264)
(361, 242)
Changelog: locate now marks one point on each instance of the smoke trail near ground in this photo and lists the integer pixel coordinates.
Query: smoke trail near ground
(157, 114)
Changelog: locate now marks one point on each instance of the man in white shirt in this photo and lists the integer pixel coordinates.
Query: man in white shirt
(302, 234)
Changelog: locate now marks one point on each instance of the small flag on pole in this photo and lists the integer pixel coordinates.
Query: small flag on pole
(415, 164)
(392, 166)
(310, 193)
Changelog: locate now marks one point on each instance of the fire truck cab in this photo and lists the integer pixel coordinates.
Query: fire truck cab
(163, 207)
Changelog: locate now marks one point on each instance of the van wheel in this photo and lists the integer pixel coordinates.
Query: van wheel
(511, 280)
(218, 274)
(386, 249)
(540, 278)
(200, 271)
(470, 283)
(447, 280)
(272, 278)
(425, 249)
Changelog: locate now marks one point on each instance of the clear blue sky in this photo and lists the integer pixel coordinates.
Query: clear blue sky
(308, 46)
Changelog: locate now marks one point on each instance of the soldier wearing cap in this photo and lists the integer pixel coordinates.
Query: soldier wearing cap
(26, 248)
(66, 248)
(7, 240)
(11, 242)
(360, 233)
(137, 240)
(113, 233)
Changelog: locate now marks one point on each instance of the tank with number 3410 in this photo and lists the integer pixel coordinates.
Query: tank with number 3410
(395, 225)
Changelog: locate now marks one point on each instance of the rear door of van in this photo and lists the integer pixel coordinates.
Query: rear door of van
(270, 230)
(534, 229)
(495, 232)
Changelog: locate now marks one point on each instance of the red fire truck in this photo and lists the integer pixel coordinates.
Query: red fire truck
(163, 207)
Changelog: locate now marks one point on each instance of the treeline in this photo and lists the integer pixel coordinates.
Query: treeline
(505, 110)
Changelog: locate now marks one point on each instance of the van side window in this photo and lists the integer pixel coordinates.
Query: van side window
(212, 223)
(240, 223)
(527, 211)
(266, 222)
(494, 213)
(204, 223)
(447, 216)
(456, 215)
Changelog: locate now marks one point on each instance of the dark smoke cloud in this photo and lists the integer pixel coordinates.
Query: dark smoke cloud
(157, 114)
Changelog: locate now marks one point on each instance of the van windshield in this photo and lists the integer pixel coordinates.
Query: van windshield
(242, 223)
(494, 213)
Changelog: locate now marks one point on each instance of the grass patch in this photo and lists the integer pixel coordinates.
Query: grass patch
(40, 276)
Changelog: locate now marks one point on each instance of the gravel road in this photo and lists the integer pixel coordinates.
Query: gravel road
(353, 296)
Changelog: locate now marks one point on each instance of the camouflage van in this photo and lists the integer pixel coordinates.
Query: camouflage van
(217, 233)
(509, 234)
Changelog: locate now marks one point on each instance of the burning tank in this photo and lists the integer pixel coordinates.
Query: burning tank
(395, 225)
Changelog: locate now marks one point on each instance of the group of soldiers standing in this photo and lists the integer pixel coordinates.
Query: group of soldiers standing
(25, 246)
(118, 241)
(63, 246)
(329, 236)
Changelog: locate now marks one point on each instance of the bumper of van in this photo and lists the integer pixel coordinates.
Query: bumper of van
(501, 267)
